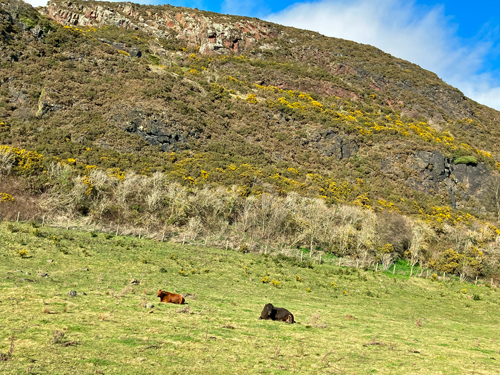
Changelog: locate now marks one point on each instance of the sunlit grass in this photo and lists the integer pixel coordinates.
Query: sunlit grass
(363, 322)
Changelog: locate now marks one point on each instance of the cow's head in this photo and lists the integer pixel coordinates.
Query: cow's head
(160, 293)
(268, 309)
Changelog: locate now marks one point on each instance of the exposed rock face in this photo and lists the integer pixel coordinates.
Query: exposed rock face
(190, 25)
(433, 173)
(132, 51)
(47, 102)
(331, 143)
(156, 129)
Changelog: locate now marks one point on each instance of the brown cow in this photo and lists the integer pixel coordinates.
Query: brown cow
(277, 313)
(170, 297)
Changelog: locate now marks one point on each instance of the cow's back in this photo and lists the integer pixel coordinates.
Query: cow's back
(283, 315)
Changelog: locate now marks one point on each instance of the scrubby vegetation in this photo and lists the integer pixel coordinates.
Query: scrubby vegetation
(440, 238)
(82, 301)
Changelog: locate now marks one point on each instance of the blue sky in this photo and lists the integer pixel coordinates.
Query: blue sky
(457, 39)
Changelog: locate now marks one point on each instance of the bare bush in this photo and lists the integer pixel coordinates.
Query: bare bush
(6, 162)
(394, 228)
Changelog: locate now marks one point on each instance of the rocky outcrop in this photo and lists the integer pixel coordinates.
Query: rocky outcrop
(433, 173)
(157, 129)
(131, 50)
(47, 102)
(331, 143)
(194, 27)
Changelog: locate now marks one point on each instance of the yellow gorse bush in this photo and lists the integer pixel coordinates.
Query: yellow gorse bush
(4, 197)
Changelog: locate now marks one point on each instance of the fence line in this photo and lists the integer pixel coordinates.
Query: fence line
(342, 261)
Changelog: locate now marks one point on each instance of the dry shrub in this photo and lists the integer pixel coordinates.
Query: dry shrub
(394, 228)
(6, 162)
(222, 217)
(25, 203)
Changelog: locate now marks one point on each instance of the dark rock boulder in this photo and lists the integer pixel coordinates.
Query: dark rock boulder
(433, 173)
(330, 143)
(156, 129)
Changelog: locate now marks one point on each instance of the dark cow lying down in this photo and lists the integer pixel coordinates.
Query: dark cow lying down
(170, 297)
(276, 313)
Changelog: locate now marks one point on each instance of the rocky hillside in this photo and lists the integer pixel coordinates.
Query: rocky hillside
(214, 100)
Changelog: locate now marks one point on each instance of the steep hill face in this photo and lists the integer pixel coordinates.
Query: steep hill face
(213, 99)
(363, 69)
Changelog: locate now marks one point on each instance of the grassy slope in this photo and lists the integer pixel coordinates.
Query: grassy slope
(222, 333)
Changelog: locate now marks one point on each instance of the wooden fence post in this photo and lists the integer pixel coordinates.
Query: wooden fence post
(18, 213)
(394, 269)
(301, 255)
(117, 227)
(184, 239)
(163, 236)
(43, 220)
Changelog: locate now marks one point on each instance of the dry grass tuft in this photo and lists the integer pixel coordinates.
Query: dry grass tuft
(142, 302)
(58, 337)
(192, 296)
(8, 355)
(47, 310)
(104, 316)
(314, 321)
(125, 291)
(374, 341)
(418, 322)
(350, 317)
(184, 310)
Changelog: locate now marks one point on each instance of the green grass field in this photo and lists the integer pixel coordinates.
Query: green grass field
(351, 321)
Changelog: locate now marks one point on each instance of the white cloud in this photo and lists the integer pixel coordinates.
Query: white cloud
(37, 3)
(421, 35)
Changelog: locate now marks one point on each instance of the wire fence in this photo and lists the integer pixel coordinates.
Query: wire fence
(397, 268)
